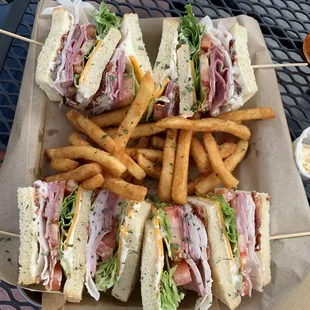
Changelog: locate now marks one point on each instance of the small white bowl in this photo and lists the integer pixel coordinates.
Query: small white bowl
(304, 138)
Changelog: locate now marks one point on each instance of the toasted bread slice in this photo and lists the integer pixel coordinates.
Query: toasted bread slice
(77, 238)
(221, 259)
(28, 250)
(167, 50)
(61, 24)
(186, 82)
(130, 245)
(246, 78)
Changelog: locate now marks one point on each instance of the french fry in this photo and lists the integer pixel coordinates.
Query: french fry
(94, 182)
(211, 181)
(64, 164)
(143, 143)
(225, 176)
(138, 182)
(166, 176)
(132, 152)
(148, 167)
(134, 169)
(135, 113)
(142, 130)
(226, 149)
(73, 122)
(158, 143)
(76, 140)
(248, 114)
(200, 156)
(109, 162)
(191, 185)
(93, 131)
(152, 155)
(180, 176)
(110, 118)
(79, 174)
(124, 189)
(106, 142)
(206, 124)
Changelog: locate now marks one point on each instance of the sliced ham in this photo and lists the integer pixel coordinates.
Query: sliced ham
(44, 251)
(100, 224)
(168, 107)
(116, 86)
(219, 83)
(245, 211)
(197, 282)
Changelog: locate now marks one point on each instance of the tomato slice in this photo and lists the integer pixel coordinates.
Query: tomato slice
(205, 43)
(182, 275)
(110, 238)
(55, 283)
(176, 229)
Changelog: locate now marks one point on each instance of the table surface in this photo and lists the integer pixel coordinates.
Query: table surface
(284, 23)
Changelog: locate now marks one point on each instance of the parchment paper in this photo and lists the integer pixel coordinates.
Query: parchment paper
(268, 167)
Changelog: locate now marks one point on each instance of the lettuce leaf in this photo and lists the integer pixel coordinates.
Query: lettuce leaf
(106, 274)
(230, 223)
(191, 33)
(165, 229)
(170, 294)
(105, 20)
(66, 217)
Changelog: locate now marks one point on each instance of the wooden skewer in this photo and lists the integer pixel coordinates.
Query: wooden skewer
(16, 36)
(296, 235)
(271, 66)
(8, 234)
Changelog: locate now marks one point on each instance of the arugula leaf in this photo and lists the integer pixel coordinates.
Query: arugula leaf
(191, 33)
(105, 276)
(170, 294)
(105, 20)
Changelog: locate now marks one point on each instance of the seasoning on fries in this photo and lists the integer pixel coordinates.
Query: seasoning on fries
(152, 155)
(143, 143)
(111, 118)
(158, 143)
(142, 130)
(206, 124)
(248, 114)
(149, 167)
(135, 113)
(105, 141)
(64, 164)
(180, 177)
(227, 148)
(211, 181)
(224, 175)
(200, 156)
(93, 131)
(109, 162)
(79, 174)
(166, 176)
(76, 140)
(94, 182)
(124, 189)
